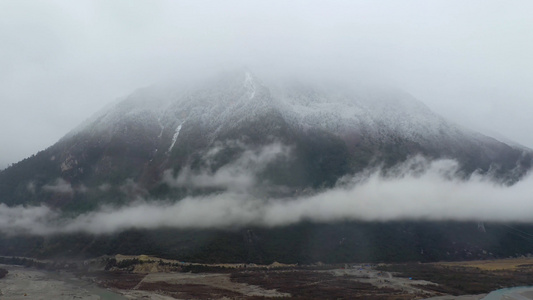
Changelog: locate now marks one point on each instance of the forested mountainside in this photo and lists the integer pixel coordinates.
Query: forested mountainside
(234, 132)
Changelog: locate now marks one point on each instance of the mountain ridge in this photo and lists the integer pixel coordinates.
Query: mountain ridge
(334, 131)
(234, 133)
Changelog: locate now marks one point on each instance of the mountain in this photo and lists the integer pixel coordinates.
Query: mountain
(320, 133)
(333, 131)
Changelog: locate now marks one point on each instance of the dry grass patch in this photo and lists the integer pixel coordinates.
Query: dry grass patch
(493, 265)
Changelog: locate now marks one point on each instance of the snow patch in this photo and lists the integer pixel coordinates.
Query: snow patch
(160, 126)
(249, 85)
(382, 114)
(175, 138)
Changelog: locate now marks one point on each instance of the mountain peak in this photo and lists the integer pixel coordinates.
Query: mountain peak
(333, 131)
(249, 84)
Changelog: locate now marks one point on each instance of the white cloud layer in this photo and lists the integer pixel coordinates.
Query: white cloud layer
(60, 186)
(240, 175)
(420, 190)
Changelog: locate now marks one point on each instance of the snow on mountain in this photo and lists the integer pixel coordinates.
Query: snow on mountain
(139, 146)
(371, 123)
(143, 106)
(332, 130)
(175, 138)
(226, 101)
(383, 114)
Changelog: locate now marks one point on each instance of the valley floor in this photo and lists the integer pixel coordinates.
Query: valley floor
(151, 278)
(302, 283)
(28, 283)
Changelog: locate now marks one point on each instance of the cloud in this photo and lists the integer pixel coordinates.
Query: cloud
(104, 187)
(239, 175)
(21, 220)
(31, 187)
(129, 188)
(60, 186)
(419, 189)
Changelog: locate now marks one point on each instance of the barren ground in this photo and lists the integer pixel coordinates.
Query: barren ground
(152, 278)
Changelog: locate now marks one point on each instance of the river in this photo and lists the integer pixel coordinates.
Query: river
(515, 293)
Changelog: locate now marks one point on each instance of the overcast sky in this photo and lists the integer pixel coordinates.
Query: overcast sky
(61, 61)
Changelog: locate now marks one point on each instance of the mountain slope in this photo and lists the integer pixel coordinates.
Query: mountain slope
(123, 151)
(272, 142)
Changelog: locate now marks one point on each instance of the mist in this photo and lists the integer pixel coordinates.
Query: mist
(240, 175)
(61, 60)
(418, 189)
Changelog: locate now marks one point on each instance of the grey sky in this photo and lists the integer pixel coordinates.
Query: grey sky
(60, 61)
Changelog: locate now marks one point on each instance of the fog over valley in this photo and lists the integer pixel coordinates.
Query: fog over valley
(419, 189)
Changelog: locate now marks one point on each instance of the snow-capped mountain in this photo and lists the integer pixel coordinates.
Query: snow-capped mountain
(235, 133)
(221, 105)
(332, 131)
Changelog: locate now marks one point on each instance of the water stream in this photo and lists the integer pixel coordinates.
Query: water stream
(514, 293)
